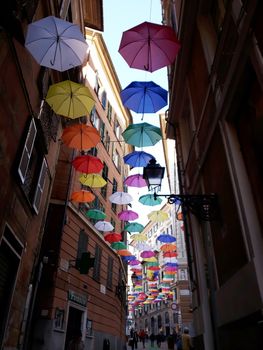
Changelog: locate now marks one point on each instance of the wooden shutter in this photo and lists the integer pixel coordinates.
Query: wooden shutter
(110, 272)
(40, 186)
(82, 243)
(96, 269)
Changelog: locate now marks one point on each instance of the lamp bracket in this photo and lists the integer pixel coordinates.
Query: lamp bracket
(203, 206)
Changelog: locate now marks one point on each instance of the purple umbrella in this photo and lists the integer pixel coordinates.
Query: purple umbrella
(147, 254)
(135, 181)
(135, 262)
(128, 215)
(138, 158)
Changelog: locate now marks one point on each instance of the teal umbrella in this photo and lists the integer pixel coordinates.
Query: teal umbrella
(142, 135)
(95, 214)
(133, 227)
(118, 245)
(148, 199)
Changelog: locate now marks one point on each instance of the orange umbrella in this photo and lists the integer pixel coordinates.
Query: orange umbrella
(80, 136)
(124, 252)
(82, 196)
(168, 247)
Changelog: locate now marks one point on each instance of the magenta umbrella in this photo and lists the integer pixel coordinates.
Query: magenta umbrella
(134, 262)
(147, 254)
(128, 215)
(135, 181)
(149, 46)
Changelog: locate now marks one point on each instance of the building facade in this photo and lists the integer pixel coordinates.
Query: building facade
(215, 116)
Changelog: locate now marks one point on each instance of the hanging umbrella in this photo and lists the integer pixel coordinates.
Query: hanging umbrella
(87, 164)
(118, 245)
(153, 268)
(104, 226)
(169, 254)
(128, 215)
(147, 254)
(135, 181)
(166, 238)
(142, 135)
(158, 216)
(138, 158)
(121, 198)
(134, 227)
(168, 247)
(144, 97)
(70, 99)
(135, 262)
(149, 46)
(112, 237)
(151, 259)
(80, 136)
(148, 199)
(139, 237)
(124, 252)
(82, 196)
(95, 214)
(56, 44)
(143, 246)
(92, 180)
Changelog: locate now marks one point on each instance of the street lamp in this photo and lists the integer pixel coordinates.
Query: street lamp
(203, 206)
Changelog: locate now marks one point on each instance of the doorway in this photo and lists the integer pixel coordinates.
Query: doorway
(74, 323)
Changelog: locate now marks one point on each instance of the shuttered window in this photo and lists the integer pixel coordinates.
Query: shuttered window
(96, 269)
(40, 186)
(110, 272)
(82, 243)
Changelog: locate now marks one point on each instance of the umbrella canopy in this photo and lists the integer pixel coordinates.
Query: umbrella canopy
(144, 97)
(143, 246)
(138, 158)
(121, 198)
(113, 237)
(104, 226)
(139, 237)
(168, 247)
(70, 99)
(56, 44)
(118, 245)
(124, 252)
(148, 199)
(92, 180)
(80, 136)
(95, 214)
(166, 238)
(128, 215)
(135, 262)
(133, 227)
(82, 196)
(149, 46)
(158, 216)
(87, 164)
(147, 254)
(136, 180)
(169, 254)
(142, 135)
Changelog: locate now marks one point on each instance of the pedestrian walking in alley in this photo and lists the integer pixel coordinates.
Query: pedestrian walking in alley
(186, 340)
(133, 340)
(142, 336)
(152, 339)
(159, 339)
(170, 342)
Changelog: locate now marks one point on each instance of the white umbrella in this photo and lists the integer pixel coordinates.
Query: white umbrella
(56, 44)
(104, 226)
(120, 198)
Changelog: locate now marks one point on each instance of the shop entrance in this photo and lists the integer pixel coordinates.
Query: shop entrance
(74, 323)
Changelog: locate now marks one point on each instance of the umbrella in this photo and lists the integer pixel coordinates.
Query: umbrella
(144, 97)
(142, 135)
(118, 245)
(147, 254)
(104, 226)
(139, 237)
(127, 215)
(80, 136)
(128, 258)
(92, 180)
(121, 198)
(151, 259)
(82, 196)
(124, 252)
(87, 164)
(95, 214)
(169, 254)
(149, 46)
(166, 238)
(134, 227)
(135, 262)
(148, 199)
(143, 246)
(158, 216)
(70, 99)
(112, 237)
(56, 43)
(136, 180)
(138, 158)
(168, 247)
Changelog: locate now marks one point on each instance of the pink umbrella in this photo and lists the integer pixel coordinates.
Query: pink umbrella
(135, 181)
(147, 254)
(128, 215)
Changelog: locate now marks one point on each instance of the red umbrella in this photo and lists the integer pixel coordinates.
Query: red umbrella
(87, 164)
(112, 237)
(149, 46)
(169, 254)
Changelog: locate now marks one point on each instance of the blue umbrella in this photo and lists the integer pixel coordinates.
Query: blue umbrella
(144, 97)
(166, 238)
(138, 158)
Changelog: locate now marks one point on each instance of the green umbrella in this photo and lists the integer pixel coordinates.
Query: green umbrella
(148, 199)
(95, 214)
(118, 245)
(142, 135)
(134, 227)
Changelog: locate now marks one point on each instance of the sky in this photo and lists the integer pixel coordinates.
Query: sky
(119, 16)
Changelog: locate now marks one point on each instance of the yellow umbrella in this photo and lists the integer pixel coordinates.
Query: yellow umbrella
(92, 180)
(151, 259)
(139, 237)
(158, 216)
(70, 99)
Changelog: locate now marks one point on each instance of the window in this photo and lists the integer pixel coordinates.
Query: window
(95, 119)
(110, 272)
(105, 172)
(112, 222)
(114, 185)
(82, 243)
(116, 160)
(114, 207)
(117, 129)
(107, 142)
(109, 112)
(40, 186)
(103, 99)
(102, 131)
(93, 151)
(96, 268)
